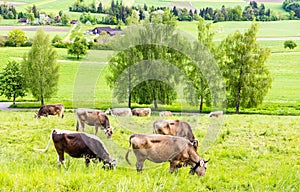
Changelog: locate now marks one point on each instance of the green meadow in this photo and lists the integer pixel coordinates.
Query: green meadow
(251, 153)
(283, 98)
(257, 152)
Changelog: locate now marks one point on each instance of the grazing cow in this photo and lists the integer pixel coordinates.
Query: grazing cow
(95, 118)
(175, 128)
(124, 112)
(165, 114)
(141, 112)
(216, 114)
(46, 110)
(163, 148)
(77, 145)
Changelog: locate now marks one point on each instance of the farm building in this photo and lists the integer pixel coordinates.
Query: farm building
(108, 30)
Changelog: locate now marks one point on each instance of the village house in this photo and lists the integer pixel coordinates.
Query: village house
(110, 31)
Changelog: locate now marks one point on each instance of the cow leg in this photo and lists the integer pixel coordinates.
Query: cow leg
(77, 125)
(87, 161)
(140, 164)
(61, 114)
(96, 129)
(173, 166)
(80, 125)
(61, 159)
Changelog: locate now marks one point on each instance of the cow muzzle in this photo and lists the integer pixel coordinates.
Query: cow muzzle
(199, 168)
(108, 132)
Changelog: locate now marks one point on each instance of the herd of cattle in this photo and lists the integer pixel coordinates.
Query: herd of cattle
(172, 140)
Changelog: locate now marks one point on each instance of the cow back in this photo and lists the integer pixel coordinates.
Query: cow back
(88, 116)
(158, 148)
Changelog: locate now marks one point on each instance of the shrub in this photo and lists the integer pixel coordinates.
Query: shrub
(290, 44)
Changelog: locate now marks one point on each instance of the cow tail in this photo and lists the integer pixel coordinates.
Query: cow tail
(126, 157)
(46, 149)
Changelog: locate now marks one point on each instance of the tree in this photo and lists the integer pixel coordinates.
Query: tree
(78, 47)
(243, 66)
(290, 44)
(56, 39)
(12, 81)
(199, 92)
(40, 68)
(17, 37)
(35, 11)
(132, 19)
(138, 73)
(65, 19)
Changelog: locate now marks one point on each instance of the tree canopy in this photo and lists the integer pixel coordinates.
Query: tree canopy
(140, 73)
(243, 66)
(12, 82)
(78, 47)
(40, 68)
(199, 92)
(17, 37)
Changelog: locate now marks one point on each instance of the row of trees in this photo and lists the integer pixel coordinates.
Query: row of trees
(157, 59)
(117, 12)
(8, 11)
(250, 12)
(292, 6)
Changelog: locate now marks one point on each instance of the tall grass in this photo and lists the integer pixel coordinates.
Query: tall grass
(252, 152)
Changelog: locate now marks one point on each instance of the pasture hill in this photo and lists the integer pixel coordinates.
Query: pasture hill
(256, 150)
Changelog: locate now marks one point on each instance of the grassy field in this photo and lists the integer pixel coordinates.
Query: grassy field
(252, 153)
(283, 98)
(266, 29)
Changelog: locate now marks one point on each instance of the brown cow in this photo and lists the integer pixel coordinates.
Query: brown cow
(165, 114)
(95, 118)
(141, 112)
(163, 148)
(175, 128)
(124, 112)
(79, 144)
(45, 110)
(216, 114)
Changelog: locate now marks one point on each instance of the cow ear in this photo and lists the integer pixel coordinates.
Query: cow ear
(195, 143)
(206, 161)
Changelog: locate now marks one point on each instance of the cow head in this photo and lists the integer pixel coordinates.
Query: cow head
(108, 111)
(111, 164)
(36, 115)
(163, 127)
(199, 168)
(105, 123)
(109, 132)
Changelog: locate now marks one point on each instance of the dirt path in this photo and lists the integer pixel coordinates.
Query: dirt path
(34, 28)
(5, 105)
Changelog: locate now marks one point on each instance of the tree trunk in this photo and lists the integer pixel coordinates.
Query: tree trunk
(129, 88)
(14, 99)
(42, 100)
(77, 57)
(201, 104)
(129, 100)
(154, 99)
(237, 105)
